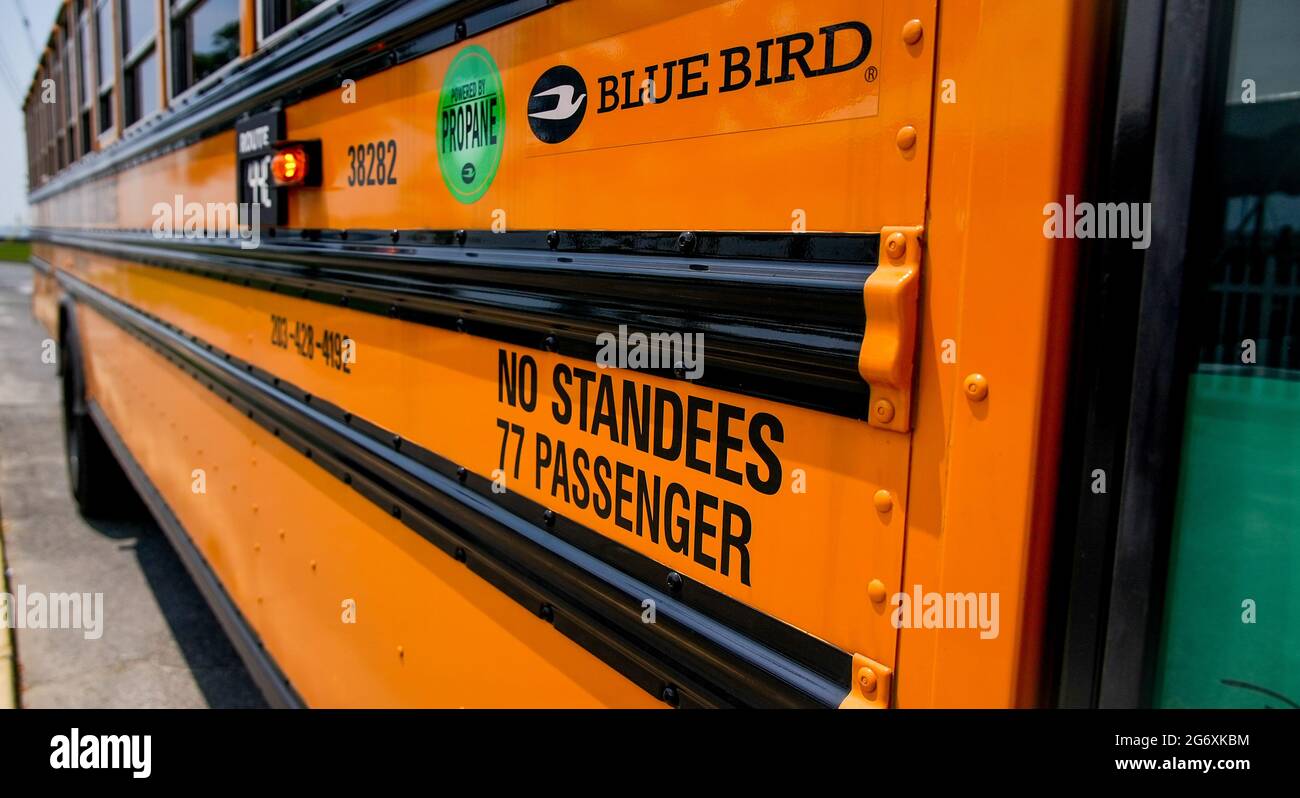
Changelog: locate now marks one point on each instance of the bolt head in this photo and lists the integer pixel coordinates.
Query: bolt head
(876, 591)
(906, 137)
(674, 582)
(896, 245)
(976, 387)
(867, 680)
(884, 411)
(884, 501)
(912, 30)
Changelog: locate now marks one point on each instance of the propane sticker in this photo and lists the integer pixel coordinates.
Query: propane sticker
(471, 124)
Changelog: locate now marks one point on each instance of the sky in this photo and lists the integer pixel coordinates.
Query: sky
(18, 48)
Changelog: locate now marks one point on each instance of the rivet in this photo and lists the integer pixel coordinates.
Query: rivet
(313, 566)
(906, 137)
(401, 653)
(976, 387)
(912, 31)
(548, 517)
(884, 411)
(876, 590)
(257, 547)
(884, 501)
(553, 239)
(669, 695)
(896, 245)
(686, 242)
(462, 473)
(550, 343)
(674, 582)
(867, 680)
(547, 613)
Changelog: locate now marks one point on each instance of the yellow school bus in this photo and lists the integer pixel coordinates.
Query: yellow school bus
(847, 353)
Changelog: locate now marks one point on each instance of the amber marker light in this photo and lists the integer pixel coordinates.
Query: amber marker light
(296, 163)
(289, 166)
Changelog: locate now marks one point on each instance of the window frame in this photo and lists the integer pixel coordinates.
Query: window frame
(264, 40)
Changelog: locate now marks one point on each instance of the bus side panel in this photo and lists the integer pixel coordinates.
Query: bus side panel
(354, 607)
(813, 578)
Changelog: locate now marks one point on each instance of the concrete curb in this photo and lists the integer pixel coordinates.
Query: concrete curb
(8, 662)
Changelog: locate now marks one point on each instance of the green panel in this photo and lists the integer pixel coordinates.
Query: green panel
(1236, 538)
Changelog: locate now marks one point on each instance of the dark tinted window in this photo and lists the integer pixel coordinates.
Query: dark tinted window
(142, 88)
(206, 38)
(105, 111)
(1231, 614)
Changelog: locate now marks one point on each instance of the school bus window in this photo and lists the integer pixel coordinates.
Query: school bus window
(67, 92)
(104, 43)
(84, 84)
(47, 118)
(205, 37)
(55, 108)
(279, 14)
(140, 67)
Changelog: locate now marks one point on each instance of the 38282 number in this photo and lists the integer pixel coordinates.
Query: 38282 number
(373, 163)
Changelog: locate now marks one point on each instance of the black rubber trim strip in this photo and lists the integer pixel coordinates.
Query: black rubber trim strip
(358, 38)
(686, 658)
(1162, 355)
(273, 683)
(780, 329)
(1105, 325)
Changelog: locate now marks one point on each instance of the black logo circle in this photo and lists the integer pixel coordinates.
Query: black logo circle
(557, 104)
